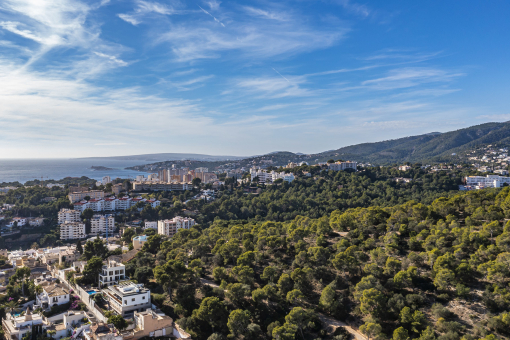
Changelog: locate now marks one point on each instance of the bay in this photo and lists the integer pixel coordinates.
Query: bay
(23, 170)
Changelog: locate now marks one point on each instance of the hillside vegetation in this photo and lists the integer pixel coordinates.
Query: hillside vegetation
(437, 271)
(434, 147)
(427, 148)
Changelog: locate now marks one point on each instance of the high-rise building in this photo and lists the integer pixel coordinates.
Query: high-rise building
(72, 231)
(163, 175)
(99, 224)
(68, 215)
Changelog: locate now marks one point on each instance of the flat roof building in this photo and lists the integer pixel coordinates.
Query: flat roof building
(127, 298)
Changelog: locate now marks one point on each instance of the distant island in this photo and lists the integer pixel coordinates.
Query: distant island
(100, 168)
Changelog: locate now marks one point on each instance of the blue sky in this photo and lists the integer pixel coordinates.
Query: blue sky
(100, 78)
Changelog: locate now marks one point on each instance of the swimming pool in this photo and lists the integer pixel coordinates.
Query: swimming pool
(91, 292)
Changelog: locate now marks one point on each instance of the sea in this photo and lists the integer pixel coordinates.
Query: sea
(22, 170)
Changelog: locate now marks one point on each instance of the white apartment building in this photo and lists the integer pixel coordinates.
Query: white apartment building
(170, 227)
(490, 181)
(160, 186)
(106, 180)
(269, 177)
(113, 203)
(151, 225)
(52, 295)
(128, 298)
(282, 175)
(78, 196)
(100, 224)
(72, 231)
(113, 272)
(69, 215)
(340, 166)
(263, 176)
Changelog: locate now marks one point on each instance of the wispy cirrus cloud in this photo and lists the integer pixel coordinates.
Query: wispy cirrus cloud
(143, 8)
(212, 16)
(410, 77)
(275, 87)
(267, 14)
(192, 41)
(213, 5)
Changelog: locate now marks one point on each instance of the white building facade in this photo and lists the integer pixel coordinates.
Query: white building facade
(341, 166)
(128, 298)
(52, 295)
(151, 225)
(113, 272)
(100, 224)
(490, 181)
(113, 204)
(69, 215)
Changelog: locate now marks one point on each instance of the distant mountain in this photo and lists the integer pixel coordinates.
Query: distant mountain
(159, 157)
(430, 147)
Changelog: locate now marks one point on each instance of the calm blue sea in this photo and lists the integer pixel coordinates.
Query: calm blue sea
(23, 170)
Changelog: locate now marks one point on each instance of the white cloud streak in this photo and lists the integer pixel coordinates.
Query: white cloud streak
(144, 8)
(212, 16)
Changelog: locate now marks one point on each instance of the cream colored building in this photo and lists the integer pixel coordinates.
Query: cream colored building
(72, 231)
(93, 194)
(68, 215)
(170, 227)
(99, 224)
(139, 241)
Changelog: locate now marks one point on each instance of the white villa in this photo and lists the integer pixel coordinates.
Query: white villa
(52, 295)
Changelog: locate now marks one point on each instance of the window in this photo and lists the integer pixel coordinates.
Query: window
(143, 298)
(125, 302)
(133, 299)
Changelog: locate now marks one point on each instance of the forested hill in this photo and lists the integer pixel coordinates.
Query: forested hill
(429, 148)
(410, 271)
(432, 147)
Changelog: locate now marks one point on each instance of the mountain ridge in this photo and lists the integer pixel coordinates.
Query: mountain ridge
(428, 147)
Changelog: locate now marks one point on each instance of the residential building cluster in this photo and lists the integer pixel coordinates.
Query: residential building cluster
(26, 222)
(480, 182)
(113, 203)
(131, 301)
(73, 228)
(178, 176)
(270, 177)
